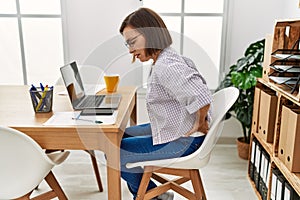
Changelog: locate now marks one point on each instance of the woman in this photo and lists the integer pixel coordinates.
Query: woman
(177, 99)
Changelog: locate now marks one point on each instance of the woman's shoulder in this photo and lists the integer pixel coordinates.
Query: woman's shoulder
(169, 52)
(169, 57)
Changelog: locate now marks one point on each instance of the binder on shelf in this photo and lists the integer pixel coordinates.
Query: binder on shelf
(265, 157)
(292, 141)
(268, 171)
(252, 159)
(255, 112)
(282, 143)
(296, 196)
(280, 187)
(267, 115)
(257, 166)
(288, 192)
(261, 188)
(274, 184)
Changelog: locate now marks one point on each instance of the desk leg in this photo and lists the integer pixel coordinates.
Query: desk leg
(113, 171)
(133, 116)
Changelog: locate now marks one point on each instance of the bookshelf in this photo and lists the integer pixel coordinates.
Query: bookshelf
(274, 167)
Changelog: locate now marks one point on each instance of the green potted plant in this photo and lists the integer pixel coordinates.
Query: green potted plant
(242, 75)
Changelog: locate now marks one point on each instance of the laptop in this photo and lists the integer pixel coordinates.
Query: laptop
(79, 99)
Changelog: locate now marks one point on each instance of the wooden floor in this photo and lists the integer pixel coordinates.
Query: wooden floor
(225, 177)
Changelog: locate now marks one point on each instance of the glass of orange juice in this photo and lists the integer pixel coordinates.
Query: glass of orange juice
(111, 82)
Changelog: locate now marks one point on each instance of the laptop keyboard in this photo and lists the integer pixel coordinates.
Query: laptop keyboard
(92, 101)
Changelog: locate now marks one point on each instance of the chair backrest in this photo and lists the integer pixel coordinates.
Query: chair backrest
(222, 102)
(23, 163)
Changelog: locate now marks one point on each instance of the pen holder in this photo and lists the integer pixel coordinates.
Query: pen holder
(42, 99)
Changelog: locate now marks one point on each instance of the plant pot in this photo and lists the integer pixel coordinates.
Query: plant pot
(243, 148)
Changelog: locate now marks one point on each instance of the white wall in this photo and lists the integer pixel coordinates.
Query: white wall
(92, 36)
(291, 9)
(249, 21)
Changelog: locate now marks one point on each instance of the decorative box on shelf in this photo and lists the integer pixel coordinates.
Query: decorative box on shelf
(282, 57)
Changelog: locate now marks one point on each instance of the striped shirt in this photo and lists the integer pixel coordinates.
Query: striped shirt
(175, 91)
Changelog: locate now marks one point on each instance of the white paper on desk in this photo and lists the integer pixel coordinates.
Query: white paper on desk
(88, 89)
(65, 119)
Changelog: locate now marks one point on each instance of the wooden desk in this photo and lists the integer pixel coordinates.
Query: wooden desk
(16, 111)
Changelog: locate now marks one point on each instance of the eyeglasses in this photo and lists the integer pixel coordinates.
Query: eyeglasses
(130, 43)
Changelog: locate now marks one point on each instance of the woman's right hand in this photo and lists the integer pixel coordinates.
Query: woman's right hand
(201, 123)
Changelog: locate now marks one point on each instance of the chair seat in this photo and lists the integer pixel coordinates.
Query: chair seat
(181, 163)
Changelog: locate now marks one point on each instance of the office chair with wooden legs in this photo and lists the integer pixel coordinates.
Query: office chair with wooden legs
(24, 165)
(187, 168)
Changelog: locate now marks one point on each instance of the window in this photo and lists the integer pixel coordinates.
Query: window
(31, 42)
(197, 28)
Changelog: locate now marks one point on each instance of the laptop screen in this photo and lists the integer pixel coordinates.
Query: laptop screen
(73, 82)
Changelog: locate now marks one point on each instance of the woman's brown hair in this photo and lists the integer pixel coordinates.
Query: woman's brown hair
(151, 25)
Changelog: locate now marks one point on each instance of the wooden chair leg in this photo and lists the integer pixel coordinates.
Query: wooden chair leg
(96, 169)
(197, 184)
(144, 183)
(56, 190)
(52, 182)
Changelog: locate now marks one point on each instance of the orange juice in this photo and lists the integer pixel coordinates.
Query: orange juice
(111, 82)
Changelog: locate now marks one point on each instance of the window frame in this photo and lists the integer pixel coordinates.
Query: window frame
(224, 31)
(19, 18)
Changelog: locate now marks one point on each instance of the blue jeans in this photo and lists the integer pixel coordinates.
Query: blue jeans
(137, 146)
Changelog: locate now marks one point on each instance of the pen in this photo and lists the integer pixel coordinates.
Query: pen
(42, 99)
(42, 87)
(48, 95)
(34, 90)
(88, 120)
(33, 98)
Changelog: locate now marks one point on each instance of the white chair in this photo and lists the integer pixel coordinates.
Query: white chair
(24, 165)
(187, 168)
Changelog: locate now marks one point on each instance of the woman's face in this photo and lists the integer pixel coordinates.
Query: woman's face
(136, 42)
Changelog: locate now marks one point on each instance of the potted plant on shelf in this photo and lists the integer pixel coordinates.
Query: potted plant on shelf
(242, 75)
